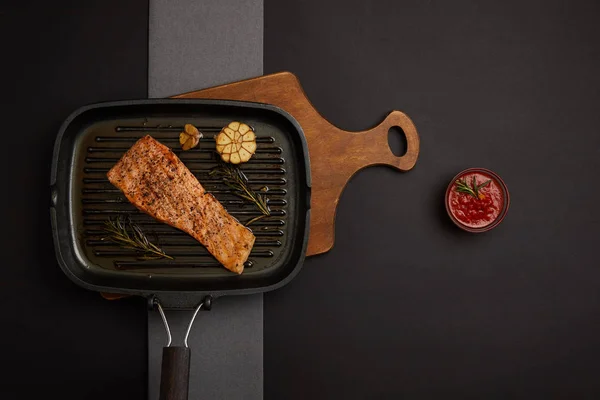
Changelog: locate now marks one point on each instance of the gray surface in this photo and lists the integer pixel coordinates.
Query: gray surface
(227, 349)
(193, 45)
(197, 44)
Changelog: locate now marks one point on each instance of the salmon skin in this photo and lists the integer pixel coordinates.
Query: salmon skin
(157, 182)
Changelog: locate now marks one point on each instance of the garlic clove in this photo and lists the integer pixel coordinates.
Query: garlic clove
(230, 133)
(235, 158)
(244, 154)
(243, 129)
(249, 146)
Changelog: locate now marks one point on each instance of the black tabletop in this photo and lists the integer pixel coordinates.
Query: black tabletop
(405, 305)
(59, 339)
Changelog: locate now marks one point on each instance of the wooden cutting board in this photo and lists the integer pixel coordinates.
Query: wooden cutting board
(335, 155)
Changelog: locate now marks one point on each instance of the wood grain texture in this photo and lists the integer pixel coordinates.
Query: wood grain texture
(335, 155)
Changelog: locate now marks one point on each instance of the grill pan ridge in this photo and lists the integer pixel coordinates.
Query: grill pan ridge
(92, 140)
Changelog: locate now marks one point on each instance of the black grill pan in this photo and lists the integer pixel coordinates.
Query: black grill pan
(92, 140)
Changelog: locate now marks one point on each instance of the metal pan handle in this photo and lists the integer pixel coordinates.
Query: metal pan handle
(175, 369)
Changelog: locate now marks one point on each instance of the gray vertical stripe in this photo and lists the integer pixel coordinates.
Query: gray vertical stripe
(193, 45)
(197, 44)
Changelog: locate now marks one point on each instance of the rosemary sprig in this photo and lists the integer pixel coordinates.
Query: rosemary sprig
(237, 181)
(130, 236)
(463, 187)
(253, 220)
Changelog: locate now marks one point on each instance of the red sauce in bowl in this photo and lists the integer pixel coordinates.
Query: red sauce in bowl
(476, 199)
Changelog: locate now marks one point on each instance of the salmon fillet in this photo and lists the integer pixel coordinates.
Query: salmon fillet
(155, 180)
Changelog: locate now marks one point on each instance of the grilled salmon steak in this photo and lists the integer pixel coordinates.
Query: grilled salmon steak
(155, 180)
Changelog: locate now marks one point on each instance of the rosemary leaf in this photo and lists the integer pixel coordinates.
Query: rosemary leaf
(130, 236)
(253, 220)
(234, 178)
(484, 184)
(463, 187)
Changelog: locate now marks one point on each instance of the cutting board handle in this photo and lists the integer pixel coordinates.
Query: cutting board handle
(335, 154)
(373, 141)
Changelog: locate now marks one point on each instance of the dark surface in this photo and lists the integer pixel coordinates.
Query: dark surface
(440, 314)
(406, 305)
(59, 338)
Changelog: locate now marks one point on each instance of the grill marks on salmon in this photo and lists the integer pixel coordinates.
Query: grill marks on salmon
(157, 182)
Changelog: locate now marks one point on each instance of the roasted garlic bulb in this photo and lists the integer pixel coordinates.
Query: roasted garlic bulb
(236, 143)
(190, 137)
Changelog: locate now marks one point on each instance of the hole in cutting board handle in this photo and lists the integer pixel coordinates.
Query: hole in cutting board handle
(397, 141)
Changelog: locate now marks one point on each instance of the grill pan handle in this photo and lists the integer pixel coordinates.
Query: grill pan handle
(175, 373)
(175, 368)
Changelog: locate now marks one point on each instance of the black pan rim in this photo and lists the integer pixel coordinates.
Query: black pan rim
(117, 103)
(200, 294)
(63, 263)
